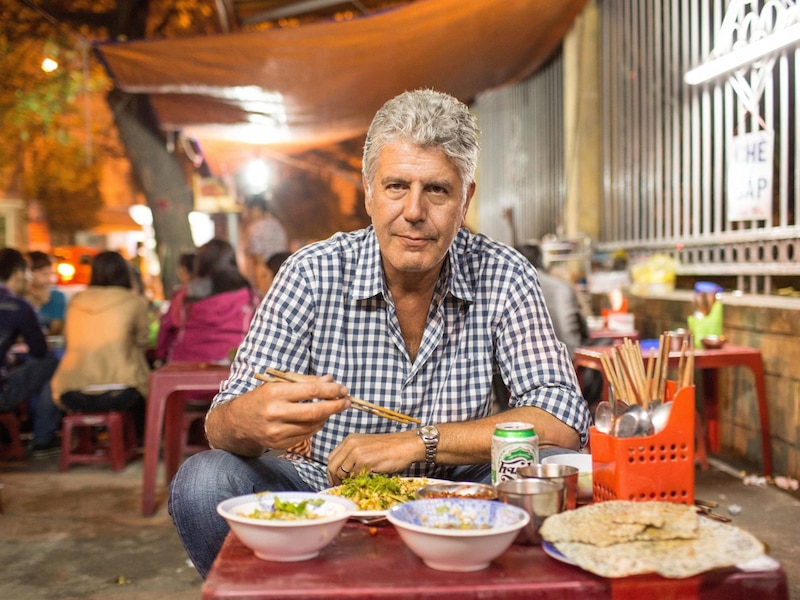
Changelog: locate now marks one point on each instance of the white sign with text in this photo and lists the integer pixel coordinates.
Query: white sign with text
(750, 162)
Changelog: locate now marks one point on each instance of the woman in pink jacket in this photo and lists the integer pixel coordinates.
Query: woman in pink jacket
(217, 308)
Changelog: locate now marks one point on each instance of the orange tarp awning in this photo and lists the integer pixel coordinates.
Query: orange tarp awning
(321, 83)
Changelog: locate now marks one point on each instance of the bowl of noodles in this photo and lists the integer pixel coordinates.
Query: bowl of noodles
(286, 526)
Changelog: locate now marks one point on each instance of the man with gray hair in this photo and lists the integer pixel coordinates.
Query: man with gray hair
(411, 313)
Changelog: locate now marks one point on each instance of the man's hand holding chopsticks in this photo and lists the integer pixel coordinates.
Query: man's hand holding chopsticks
(275, 415)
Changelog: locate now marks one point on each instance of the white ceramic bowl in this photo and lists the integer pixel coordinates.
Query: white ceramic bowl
(286, 540)
(457, 534)
(584, 464)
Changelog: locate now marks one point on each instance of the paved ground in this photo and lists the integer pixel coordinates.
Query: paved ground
(80, 534)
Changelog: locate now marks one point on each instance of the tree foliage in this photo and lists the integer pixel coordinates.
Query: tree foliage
(54, 139)
(70, 197)
(56, 127)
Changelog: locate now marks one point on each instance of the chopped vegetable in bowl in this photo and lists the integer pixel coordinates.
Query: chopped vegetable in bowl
(378, 492)
(287, 511)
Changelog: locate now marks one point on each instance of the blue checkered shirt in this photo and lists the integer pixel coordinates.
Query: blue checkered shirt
(329, 312)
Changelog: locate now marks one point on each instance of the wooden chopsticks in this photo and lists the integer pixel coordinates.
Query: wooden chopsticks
(363, 405)
(636, 383)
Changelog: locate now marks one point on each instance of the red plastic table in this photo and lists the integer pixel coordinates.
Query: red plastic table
(708, 361)
(164, 383)
(362, 563)
(613, 334)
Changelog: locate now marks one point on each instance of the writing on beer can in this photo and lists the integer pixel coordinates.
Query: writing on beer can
(514, 445)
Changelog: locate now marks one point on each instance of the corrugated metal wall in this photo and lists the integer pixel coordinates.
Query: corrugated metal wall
(664, 149)
(522, 157)
(666, 142)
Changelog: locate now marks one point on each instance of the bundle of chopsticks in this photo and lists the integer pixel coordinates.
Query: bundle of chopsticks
(636, 382)
(273, 375)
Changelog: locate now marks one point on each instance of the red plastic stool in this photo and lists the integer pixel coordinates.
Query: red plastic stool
(14, 448)
(118, 450)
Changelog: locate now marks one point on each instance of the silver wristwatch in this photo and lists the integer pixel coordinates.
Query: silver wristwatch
(430, 437)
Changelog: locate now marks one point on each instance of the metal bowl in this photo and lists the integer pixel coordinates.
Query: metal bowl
(713, 341)
(458, 489)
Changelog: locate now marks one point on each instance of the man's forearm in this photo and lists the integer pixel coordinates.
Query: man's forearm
(221, 432)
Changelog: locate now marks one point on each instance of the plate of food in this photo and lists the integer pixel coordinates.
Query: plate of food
(621, 538)
(375, 493)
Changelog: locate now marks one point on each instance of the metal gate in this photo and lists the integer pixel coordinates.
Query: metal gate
(665, 167)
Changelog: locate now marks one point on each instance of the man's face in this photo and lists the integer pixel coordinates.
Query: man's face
(18, 283)
(416, 208)
(43, 277)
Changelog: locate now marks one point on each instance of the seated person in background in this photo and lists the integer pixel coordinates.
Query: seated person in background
(265, 273)
(411, 313)
(172, 317)
(106, 340)
(184, 271)
(568, 321)
(562, 302)
(49, 302)
(264, 234)
(28, 380)
(217, 309)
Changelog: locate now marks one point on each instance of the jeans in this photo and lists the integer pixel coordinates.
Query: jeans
(206, 479)
(31, 382)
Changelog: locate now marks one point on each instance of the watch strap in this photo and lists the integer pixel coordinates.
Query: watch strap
(430, 437)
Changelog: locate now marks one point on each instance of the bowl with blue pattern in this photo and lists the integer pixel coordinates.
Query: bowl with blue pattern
(457, 534)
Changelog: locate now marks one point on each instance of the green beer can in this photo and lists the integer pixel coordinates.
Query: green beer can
(514, 445)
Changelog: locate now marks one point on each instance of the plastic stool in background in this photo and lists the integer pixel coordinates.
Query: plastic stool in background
(14, 449)
(120, 447)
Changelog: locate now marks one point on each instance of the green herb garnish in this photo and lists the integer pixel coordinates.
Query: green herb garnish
(288, 511)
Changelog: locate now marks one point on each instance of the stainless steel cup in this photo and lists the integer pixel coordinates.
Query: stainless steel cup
(539, 498)
(566, 475)
(676, 338)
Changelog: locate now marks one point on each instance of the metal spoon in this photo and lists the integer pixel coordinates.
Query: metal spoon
(659, 416)
(376, 520)
(603, 416)
(634, 422)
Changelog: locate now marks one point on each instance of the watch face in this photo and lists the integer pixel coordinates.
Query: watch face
(429, 431)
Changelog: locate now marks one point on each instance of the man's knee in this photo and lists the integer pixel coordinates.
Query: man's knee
(201, 467)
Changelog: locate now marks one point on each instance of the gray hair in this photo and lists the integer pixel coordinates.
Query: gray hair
(428, 119)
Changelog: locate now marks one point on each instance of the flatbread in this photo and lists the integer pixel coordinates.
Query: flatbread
(619, 521)
(716, 545)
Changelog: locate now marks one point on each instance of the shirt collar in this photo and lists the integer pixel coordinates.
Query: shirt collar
(369, 281)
